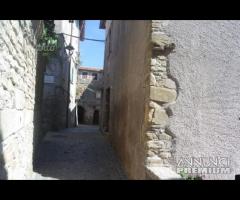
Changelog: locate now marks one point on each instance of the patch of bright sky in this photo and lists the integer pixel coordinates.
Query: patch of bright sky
(92, 52)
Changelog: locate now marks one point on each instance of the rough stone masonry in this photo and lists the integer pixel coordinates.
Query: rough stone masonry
(17, 92)
(163, 92)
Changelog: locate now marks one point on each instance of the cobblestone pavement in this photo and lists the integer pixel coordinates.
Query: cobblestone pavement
(81, 153)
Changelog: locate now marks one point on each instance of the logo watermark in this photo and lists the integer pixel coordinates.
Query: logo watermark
(47, 48)
(203, 165)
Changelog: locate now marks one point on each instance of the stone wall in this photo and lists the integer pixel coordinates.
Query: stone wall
(163, 93)
(18, 58)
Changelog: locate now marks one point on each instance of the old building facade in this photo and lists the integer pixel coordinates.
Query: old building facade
(59, 107)
(88, 98)
(170, 90)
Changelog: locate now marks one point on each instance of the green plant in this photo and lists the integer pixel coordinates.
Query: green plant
(189, 177)
(48, 43)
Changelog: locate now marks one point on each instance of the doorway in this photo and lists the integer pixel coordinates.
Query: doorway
(81, 114)
(96, 117)
(107, 110)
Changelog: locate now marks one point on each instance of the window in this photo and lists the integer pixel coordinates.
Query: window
(84, 75)
(49, 79)
(98, 95)
(95, 76)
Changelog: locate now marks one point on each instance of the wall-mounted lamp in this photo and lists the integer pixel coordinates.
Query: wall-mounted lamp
(70, 48)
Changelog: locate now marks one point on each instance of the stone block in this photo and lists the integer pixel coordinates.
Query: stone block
(5, 99)
(155, 144)
(168, 83)
(164, 136)
(162, 94)
(162, 173)
(150, 115)
(154, 161)
(28, 117)
(158, 68)
(163, 63)
(162, 42)
(162, 58)
(160, 117)
(19, 99)
(153, 62)
(150, 135)
(154, 105)
(3, 65)
(165, 155)
(11, 121)
(152, 80)
(151, 153)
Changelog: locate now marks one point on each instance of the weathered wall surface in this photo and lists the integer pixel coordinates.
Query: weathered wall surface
(105, 104)
(18, 59)
(127, 56)
(206, 64)
(66, 29)
(56, 92)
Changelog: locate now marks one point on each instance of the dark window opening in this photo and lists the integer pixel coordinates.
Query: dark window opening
(95, 76)
(84, 75)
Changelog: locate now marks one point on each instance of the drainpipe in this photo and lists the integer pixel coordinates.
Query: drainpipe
(70, 48)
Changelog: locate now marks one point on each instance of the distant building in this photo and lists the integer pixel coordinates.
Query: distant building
(88, 97)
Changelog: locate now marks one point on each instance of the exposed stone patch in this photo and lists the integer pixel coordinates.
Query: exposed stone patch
(163, 93)
(159, 115)
(169, 83)
(162, 173)
(161, 42)
(154, 161)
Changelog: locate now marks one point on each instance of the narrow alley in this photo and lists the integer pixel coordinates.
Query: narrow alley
(119, 99)
(81, 153)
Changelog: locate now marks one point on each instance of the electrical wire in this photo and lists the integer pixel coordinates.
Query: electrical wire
(96, 40)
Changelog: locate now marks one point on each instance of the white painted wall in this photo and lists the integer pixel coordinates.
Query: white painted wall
(63, 26)
(206, 63)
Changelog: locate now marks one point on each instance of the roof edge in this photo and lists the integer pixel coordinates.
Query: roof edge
(102, 24)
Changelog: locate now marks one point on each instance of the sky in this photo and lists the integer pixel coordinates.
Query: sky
(91, 52)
